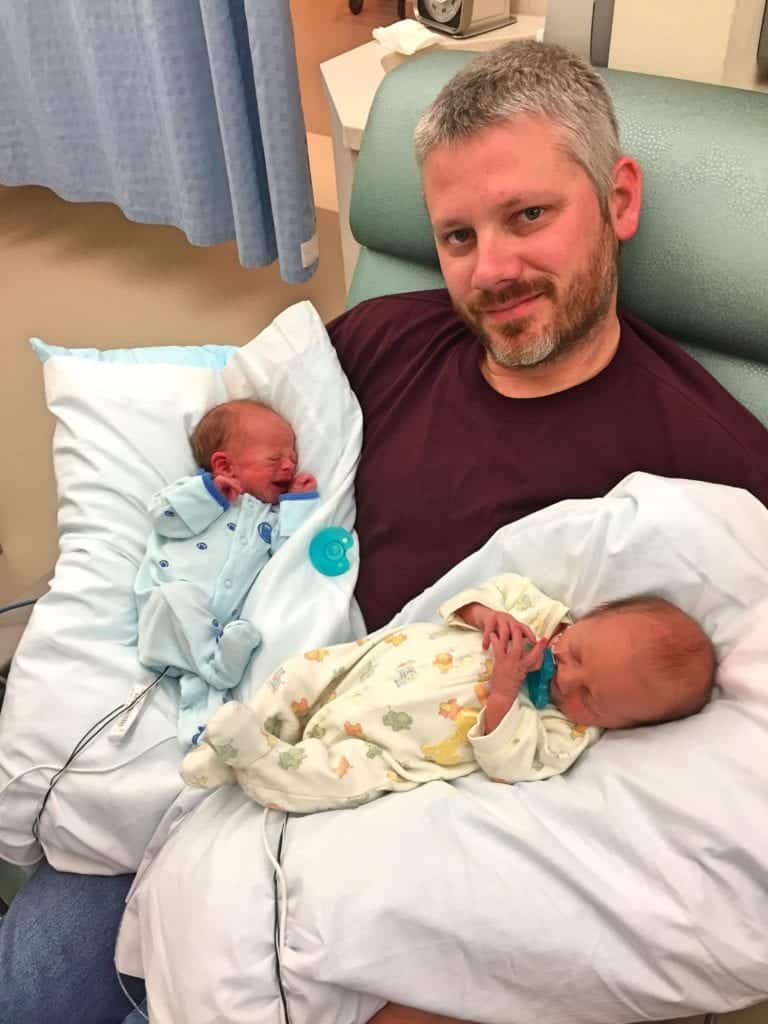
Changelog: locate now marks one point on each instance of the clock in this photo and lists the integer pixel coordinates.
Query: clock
(464, 17)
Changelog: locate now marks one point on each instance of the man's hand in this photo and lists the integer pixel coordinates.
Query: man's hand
(302, 483)
(229, 486)
(493, 624)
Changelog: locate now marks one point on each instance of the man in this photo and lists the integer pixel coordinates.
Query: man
(538, 390)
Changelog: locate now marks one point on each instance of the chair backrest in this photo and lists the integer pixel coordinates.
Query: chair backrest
(698, 267)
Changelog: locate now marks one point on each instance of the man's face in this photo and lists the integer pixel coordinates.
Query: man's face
(528, 259)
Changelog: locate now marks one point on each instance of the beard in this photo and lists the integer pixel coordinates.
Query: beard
(576, 313)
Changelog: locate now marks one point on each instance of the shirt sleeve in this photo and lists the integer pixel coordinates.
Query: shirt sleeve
(187, 506)
(515, 595)
(528, 745)
(295, 509)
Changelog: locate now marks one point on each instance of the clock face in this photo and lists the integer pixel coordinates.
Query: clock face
(441, 10)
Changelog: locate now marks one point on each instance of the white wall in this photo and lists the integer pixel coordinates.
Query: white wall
(702, 40)
(740, 68)
(530, 7)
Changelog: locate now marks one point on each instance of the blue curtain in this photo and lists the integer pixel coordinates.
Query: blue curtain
(182, 112)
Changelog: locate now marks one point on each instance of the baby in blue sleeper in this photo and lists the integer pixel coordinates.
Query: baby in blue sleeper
(212, 535)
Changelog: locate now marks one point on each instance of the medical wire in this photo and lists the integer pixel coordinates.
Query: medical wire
(77, 771)
(18, 604)
(280, 894)
(87, 737)
(129, 997)
(278, 871)
(92, 732)
(281, 903)
(81, 744)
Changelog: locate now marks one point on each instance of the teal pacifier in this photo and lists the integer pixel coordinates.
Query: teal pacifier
(328, 550)
(538, 681)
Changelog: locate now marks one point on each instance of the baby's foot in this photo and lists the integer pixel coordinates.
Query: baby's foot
(202, 767)
(235, 647)
(237, 735)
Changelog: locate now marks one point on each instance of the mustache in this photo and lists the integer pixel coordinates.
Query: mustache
(514, 292)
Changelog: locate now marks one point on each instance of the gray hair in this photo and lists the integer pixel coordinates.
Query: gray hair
(527, 78)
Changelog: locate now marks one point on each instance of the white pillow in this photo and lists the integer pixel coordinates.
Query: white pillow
(122, 433)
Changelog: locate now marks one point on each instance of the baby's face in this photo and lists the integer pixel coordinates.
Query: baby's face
(599, 679)
(262, 451)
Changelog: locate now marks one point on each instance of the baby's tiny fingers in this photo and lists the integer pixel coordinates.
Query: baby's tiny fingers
(516, 643)
(500, 648)
(535, 657)
(504, 631)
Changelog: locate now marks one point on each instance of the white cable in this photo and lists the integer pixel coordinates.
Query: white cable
(283, 906)
(85, 740)
(84, 771)
(75, 771)
(127, 995)
(280, 879)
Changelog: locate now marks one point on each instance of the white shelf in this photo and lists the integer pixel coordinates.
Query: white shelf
(351, 79)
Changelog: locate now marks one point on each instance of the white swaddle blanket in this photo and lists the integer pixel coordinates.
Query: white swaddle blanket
(631, 888)
(121, 434)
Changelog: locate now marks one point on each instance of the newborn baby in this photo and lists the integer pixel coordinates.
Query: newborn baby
(212, 535)
(341, 725)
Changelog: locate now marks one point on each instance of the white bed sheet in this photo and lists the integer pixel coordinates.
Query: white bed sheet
(632, 888)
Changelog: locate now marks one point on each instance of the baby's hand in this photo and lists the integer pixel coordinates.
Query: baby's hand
(492, 624)
(229, 486)
(512, 663)
(302, 483)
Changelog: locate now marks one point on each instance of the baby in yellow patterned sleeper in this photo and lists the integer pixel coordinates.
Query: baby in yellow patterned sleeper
(341, 725)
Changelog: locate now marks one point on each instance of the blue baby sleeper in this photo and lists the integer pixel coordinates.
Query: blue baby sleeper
(202, 558)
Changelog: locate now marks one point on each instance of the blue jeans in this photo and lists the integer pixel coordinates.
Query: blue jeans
(57, 945)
